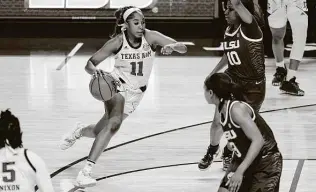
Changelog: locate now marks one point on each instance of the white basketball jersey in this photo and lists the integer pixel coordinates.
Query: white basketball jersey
(134, 64)
(16, 172)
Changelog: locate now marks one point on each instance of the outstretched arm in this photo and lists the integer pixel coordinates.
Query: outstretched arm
(158, 38)
(250, 27)
(221, 64)
(242, 11)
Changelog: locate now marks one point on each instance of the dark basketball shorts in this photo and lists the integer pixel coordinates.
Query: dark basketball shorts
(254, 91)
(263, 176)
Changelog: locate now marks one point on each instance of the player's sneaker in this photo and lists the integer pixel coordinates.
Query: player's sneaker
(291, 87)
(207, 160)
(279, 76)
(227, 157)
(84, 179)
(70, 138)
(226, 162)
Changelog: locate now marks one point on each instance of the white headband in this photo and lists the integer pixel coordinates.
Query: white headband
(130, 11)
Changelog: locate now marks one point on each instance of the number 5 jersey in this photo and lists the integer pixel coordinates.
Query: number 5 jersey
(21, 170)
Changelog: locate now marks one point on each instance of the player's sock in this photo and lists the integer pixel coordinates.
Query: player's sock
(89, 165)
(227, 157)
(280, 64)
(290, 74)
(78, 133)
(207, 160)
(84, 178)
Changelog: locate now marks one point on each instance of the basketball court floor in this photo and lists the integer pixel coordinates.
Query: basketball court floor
(158, 147)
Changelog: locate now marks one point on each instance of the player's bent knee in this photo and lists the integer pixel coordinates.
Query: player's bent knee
(299, 40)
(96, 129)
(115, 124)
(300, 35)
(277, 37)
(278, 34)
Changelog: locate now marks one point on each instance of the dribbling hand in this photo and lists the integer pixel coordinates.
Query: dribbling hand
(167, 50)
(98, 72)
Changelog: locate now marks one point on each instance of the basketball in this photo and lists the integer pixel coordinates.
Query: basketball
(103, 86)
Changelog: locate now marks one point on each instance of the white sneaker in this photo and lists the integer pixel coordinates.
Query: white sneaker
(84, 179)
(70, 138)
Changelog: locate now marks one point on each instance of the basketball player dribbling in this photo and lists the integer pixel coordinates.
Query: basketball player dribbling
(279, 12)
(21, 169)
(244, 54)
(133, 47)
(257, 162)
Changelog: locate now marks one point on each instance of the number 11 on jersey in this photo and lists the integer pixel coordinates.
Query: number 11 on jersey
(138, 65)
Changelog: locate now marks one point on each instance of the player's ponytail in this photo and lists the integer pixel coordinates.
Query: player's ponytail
(236, 91)
(10, 132)
(223, 87)
(120, 20)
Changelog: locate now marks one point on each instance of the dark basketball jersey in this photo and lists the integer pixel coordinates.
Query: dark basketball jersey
(238, 139)
(245, 55)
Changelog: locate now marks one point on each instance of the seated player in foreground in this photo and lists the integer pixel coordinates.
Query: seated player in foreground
(22, 169)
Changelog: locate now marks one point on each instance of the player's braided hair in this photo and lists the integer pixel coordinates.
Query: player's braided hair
(120, 20)
(223, 87)
(10, 132)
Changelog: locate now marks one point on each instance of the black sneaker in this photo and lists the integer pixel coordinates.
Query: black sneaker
(226, 162)
(291, 87)
(227, 158)
(279, 76)
(207, 160)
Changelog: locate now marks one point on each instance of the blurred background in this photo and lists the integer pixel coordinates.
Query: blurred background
(40, 24)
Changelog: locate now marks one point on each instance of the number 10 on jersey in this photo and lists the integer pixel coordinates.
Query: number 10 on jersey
(137, 66)
(233, 58)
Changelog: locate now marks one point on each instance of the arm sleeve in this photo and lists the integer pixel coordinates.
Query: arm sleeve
(43, 179)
